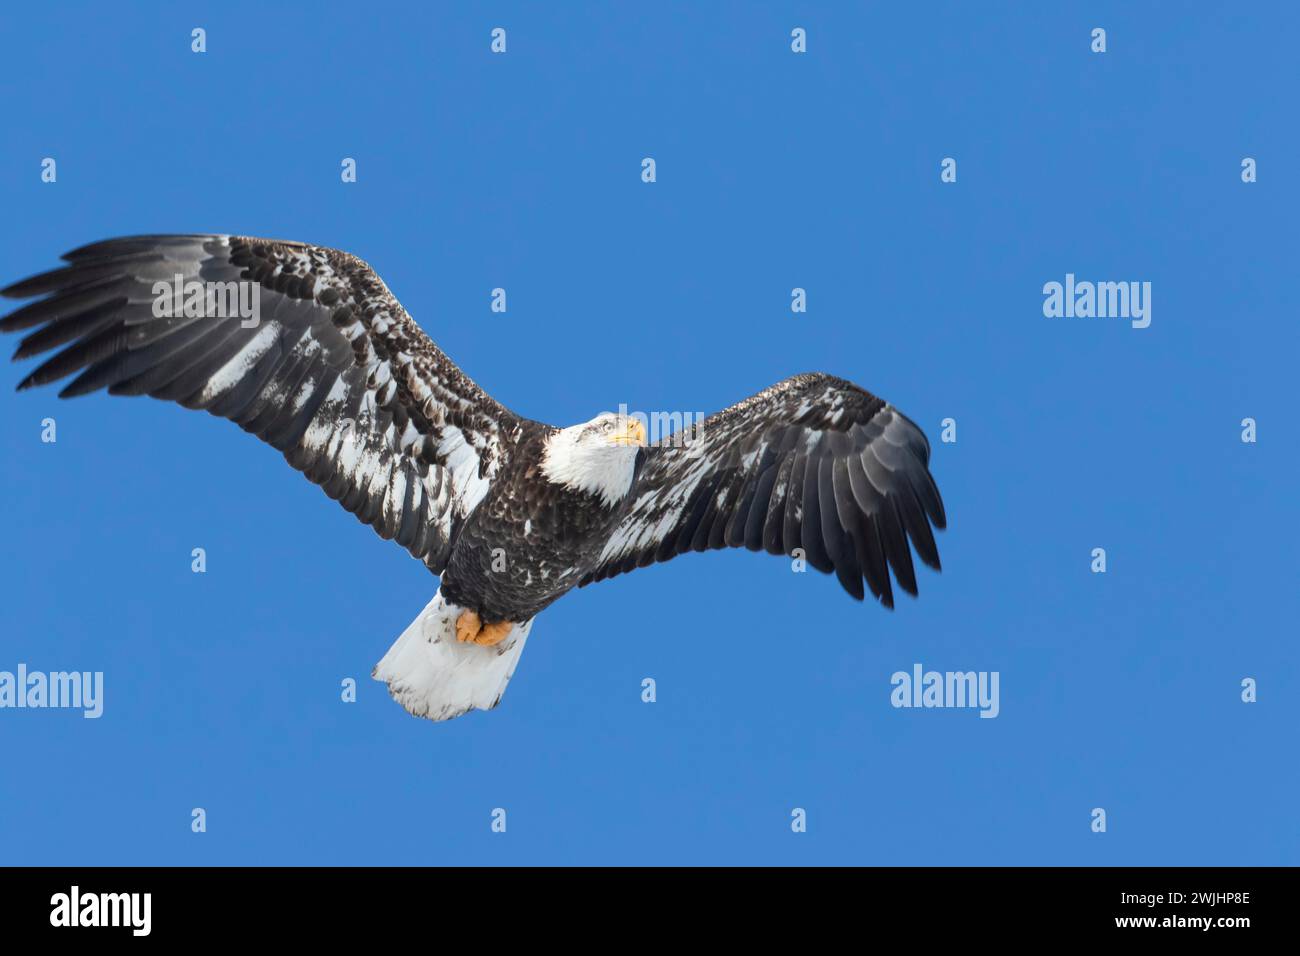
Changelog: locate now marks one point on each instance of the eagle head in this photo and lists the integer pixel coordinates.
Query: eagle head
(596, 457)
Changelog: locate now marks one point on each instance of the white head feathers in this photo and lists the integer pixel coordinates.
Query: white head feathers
(598, 457)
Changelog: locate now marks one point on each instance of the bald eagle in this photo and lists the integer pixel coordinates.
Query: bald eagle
(510, 513)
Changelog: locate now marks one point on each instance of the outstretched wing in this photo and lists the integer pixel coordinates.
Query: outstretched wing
(812, 463)
(304, 347)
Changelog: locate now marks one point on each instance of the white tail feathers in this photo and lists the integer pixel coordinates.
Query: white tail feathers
(432, 675)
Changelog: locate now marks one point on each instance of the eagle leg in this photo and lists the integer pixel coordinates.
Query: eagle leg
(470, 629)
(493, 634)
(468, 626)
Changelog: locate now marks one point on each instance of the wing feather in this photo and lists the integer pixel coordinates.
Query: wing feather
(333, 373)
(812, 465)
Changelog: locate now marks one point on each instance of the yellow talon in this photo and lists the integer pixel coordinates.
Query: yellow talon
(470, 629)
(492, 634)
(468, 626)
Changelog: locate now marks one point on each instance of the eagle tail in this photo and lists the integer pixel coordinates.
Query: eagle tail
(432, 675)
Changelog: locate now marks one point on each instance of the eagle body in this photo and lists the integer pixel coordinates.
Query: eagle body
(530, 540)
(320, 361)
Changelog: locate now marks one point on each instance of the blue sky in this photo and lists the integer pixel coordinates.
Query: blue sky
(774, 171)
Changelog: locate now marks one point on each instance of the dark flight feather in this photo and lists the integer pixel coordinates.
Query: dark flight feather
(812, 465)
(316, 377)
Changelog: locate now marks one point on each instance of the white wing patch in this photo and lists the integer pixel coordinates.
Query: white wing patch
(233, 372)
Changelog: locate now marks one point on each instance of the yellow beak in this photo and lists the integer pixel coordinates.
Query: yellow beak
(633, 434)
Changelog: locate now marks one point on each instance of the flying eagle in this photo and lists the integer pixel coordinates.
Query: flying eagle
(510, 513)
